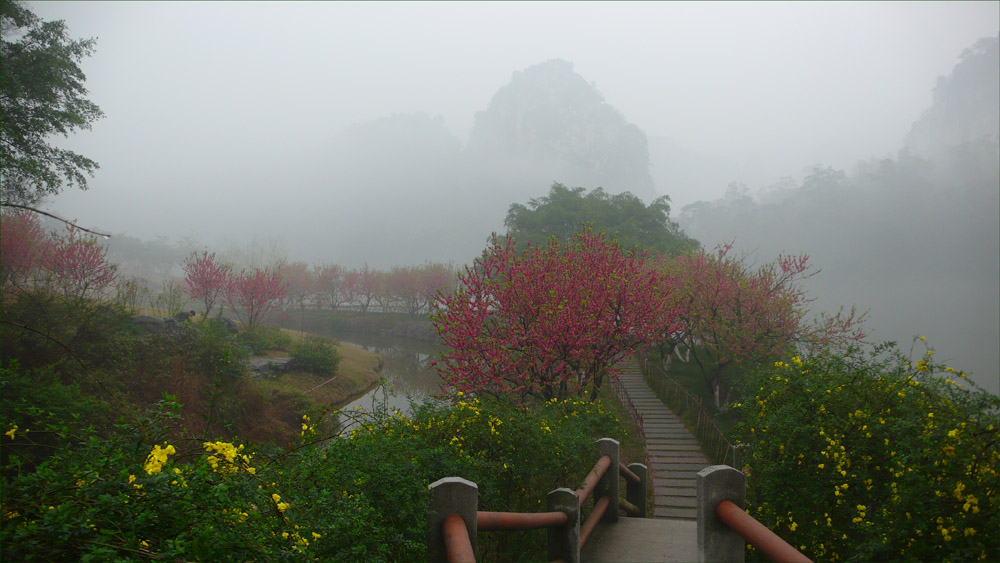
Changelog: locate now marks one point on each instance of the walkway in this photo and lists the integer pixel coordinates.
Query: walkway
(674, 460)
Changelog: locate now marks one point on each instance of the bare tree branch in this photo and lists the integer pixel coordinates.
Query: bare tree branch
(47, 214)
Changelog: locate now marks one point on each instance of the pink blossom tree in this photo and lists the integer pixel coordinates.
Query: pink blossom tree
(301, 282)
(330, 286)
(252, 294)
(23, 247)
(732, 316)
(78, 265)
(548, 322)
(403, 284)
(362, 286)
(205, 279)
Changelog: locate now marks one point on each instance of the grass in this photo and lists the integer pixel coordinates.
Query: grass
(357, 372)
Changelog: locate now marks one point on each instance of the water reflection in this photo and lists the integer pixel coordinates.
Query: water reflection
(407, 370)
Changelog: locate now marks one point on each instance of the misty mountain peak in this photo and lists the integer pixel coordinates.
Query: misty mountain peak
(965, 109)
(550, 120)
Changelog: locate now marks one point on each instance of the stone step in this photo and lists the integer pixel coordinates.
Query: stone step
(676, 501)
(674, 483)
(678, 513)
(675, 491)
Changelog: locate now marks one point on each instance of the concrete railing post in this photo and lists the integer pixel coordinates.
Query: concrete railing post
(608, 485)
(636, 492)
(717, 542)
(450, 495)
(564, 540)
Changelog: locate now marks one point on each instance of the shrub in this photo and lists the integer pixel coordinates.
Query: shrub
(890, 459)
(218, 351)
(262, 338)
(315, 354)
(146, 491)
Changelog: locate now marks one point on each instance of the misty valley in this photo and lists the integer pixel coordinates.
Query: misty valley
(283, 373)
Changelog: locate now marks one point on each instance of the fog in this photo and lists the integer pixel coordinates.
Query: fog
(395, 133)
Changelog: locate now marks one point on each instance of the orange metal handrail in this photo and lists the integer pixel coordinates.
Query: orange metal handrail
(627, 473)
(757, 535)
(456, 535)
(504, 521)
(600, 507)
(600, 468)
(456, 540)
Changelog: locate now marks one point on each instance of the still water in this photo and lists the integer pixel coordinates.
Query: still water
(407, 372)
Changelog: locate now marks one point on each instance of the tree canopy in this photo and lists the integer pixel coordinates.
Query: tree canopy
(550, 322)
(42, 94)
(566, 211)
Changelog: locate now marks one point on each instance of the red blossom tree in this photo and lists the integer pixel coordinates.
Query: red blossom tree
(330, 286)
(732, 316)
(23, 246)
(549, 322)
(301, 282)
(205, 279)
(253, 293)
(78, 265)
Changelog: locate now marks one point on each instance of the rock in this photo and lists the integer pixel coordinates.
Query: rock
(267, 368)
(184, 316)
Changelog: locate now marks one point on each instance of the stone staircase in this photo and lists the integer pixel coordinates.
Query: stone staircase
(674, 455)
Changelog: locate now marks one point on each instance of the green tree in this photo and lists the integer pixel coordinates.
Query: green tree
(566, 211)
(42, 94)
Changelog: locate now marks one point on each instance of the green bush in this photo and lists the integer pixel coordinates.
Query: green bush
(874, 458)
(147, 492)
(315, 354)
(263, 338)
(217, 350)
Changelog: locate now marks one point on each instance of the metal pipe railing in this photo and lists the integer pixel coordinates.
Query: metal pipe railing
(600, 468)
(506, 521)
(600, 507)
(627, 473)
(629, 508)
(757, 535)
(456, 540)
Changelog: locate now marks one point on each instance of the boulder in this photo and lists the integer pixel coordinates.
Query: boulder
(267, 368)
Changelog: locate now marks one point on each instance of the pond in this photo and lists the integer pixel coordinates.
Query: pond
(407, 371)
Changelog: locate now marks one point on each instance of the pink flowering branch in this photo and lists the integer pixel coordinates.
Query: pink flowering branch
(548, 322)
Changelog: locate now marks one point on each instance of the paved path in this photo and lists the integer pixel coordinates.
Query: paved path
(674, 459)
(674, 455)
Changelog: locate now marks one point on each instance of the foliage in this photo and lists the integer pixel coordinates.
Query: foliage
(262, 338)
(253, 293)
(42, 94)
(78, 266)
(891, 459)
(315, 354)
(205, 279)
(171, 297)
(566, 211)
(551, 321)
(23, 246)
(217, 351)
(72, 264)
(146, 491)
(732, 317)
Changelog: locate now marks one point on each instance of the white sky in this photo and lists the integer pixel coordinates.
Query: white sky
(201, 97)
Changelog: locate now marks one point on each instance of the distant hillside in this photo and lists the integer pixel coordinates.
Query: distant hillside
(965, 108)
(915, 238)
(550, 125)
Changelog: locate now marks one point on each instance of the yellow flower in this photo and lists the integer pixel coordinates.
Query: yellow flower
(10, 433)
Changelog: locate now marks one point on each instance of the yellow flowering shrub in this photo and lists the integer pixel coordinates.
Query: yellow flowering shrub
(890, 459)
